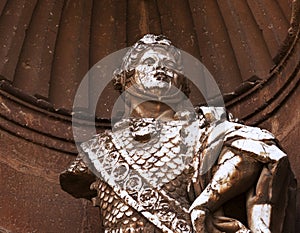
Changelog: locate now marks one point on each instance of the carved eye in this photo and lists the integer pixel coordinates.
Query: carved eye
(149, 61)
(170, 63)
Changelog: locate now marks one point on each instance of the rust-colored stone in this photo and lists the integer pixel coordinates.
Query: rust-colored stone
(270, 100)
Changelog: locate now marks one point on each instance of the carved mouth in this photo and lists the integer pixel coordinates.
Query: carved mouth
(161, 76)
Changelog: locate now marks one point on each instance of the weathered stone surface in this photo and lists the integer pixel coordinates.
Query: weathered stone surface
(31, 199)
(285, 124)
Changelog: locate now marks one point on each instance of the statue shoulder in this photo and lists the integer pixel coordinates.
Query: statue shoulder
(79, 176)
(260, 143)
(99, 143)
(222, 128)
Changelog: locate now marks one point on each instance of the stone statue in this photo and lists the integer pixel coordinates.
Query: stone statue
(169, 169)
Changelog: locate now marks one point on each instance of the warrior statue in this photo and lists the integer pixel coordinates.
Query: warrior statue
(169, 169)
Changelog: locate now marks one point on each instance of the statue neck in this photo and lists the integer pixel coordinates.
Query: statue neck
(152, 109)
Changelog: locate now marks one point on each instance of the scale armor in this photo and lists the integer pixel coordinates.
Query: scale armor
(145, 170)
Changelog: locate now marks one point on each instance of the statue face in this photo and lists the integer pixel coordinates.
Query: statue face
(156, 71)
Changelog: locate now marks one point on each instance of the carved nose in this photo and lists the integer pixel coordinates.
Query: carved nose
(160, 64)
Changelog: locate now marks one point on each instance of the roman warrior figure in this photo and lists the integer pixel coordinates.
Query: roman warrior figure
(170, 167)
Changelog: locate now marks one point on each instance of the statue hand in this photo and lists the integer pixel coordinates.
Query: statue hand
(198, 218)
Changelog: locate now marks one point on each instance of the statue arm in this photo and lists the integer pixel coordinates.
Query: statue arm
(267, 202)
(259, 167)
(77, 179)
(235, 174)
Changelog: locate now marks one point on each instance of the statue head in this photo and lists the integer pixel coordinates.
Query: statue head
(152, 68)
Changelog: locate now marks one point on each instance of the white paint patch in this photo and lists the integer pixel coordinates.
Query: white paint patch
(264, 152)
